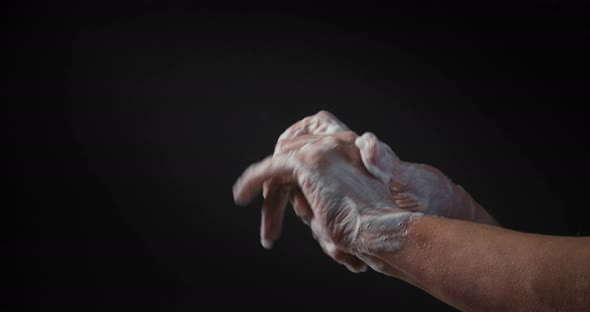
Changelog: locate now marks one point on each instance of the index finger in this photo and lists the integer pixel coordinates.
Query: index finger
(249, 184)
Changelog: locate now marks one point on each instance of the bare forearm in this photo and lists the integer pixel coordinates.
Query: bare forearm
(485, 268)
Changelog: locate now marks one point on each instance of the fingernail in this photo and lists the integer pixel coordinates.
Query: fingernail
(267, 244)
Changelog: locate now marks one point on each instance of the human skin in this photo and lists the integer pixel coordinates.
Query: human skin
(477, 267)
(415, 187)
(337, 195)
(471, 266)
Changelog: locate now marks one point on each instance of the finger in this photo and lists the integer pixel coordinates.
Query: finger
(351, 262)
(377, 157)
(249, 184)
(377, 264)
(301, 206)
(273, 210)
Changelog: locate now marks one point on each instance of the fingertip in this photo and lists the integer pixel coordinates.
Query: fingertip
(366, 140)
(370, 135)
(236, 191)
(301, 206)
(352, 269)
(355, 266)
(359, 142)
(324, 113)
(267, 244)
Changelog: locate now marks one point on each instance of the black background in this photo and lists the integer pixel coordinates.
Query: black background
(132, 121)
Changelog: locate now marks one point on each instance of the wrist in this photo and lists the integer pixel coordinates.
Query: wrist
(383, 230)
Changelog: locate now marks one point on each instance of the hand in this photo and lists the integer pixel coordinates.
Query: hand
(415, 187)
(350, 212)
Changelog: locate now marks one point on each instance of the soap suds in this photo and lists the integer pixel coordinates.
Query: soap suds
(377, 157)
(413, 186)
(384, 232)
(321, 123)
(352, 213)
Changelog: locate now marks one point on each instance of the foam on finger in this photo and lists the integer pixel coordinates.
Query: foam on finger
(377, 157)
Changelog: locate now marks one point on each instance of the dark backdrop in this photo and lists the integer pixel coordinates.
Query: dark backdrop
(135, 120)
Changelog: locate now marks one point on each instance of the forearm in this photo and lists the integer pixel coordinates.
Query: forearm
(418, 187)
(439, 195)
(485, 268)
(468, 209)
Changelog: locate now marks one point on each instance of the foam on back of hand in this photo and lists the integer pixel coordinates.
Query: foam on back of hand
(321, 123)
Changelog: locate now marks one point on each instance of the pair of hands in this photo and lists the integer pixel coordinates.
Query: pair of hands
(349, 189)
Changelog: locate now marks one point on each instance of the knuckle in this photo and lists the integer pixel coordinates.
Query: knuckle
(280, 146)
(316, 155)
(330, 140)
(347, 136)
(323, 114)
